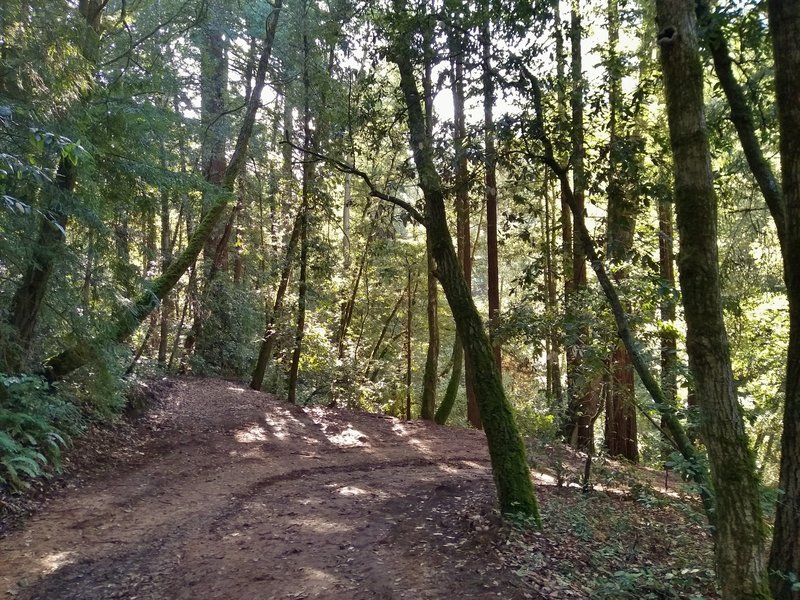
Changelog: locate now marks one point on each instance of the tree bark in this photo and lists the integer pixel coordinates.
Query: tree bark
(620, 426)
(462, 203)
(581, 400)
(784, 25)
(506, 449)
(490, 187)
(739, 527)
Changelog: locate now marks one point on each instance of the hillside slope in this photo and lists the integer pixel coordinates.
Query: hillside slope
(232, 494)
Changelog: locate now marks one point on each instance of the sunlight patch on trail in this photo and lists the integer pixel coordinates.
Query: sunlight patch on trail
(251, 435)
(347, 438)
(56, 560)
(351, 490)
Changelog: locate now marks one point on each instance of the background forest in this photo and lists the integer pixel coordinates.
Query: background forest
(226, 188)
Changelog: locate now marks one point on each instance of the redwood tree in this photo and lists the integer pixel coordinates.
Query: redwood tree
(739, 528)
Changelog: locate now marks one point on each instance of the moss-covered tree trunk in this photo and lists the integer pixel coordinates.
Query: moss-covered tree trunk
(739, 527)
(451, 392)
(784, 562)
(506, 449)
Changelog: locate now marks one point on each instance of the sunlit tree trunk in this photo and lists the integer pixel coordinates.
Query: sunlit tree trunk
(739, 527)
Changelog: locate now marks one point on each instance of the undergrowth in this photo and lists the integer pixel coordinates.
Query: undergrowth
(35, 424)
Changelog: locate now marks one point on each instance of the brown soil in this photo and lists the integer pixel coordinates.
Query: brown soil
(228, 493)
(241, 496)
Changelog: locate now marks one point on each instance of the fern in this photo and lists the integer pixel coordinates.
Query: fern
(34, 427)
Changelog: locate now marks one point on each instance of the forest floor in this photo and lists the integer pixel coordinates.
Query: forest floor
(219, 492)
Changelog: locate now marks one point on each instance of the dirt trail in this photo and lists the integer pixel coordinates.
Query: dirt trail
(240, 496)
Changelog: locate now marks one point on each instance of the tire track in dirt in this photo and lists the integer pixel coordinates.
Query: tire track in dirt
(242, 496)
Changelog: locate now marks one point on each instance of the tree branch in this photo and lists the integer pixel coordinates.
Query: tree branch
(343, 167)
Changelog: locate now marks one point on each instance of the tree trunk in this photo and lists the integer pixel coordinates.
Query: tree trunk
(409, 321)
(294, 368)
(490, 184)
(26, 305)
(620, 430)
(667, 331)
(268, 341)
(308, 171)
(213, 89)
(581, 400)
(553, 336)
(506, 449)
(166, 305)
(451, 393)
(430, 378)
(739, 532)
(784, 25)
(462, 203)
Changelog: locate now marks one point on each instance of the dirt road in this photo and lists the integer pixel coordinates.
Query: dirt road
(240, 496)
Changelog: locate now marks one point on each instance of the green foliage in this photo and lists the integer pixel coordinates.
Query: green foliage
(35, 423)
(234, 320)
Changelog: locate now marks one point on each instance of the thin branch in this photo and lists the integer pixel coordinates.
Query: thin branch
(343, 167)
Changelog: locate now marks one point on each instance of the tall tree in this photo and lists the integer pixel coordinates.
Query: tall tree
(578, 428)
(463, 235)
(784, 560)
(506, 449)
(620, 426)
(739, 529)
(430, 378)
(490, 183)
